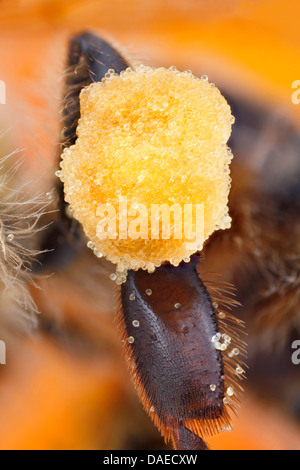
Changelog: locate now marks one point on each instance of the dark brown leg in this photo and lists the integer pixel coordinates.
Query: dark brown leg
(169, 322)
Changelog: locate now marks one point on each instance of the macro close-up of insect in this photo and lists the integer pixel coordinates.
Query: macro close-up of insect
(168, 319)
(150, 262)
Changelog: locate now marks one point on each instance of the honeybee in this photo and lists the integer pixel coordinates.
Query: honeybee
(185, 349)
(172, 324)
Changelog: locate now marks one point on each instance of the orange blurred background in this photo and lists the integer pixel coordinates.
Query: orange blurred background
(71, 390)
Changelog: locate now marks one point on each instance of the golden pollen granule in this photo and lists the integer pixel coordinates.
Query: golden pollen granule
(151, 154)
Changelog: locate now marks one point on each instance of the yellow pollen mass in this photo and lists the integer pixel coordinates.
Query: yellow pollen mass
(148, 176)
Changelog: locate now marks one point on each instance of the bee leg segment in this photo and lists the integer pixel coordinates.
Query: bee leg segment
(89, 59)
(169, 330)
(185, 439)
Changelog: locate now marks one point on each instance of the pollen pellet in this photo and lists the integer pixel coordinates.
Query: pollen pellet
(98, 253)
(69, 211)
(149, 136)
(227, 339)
(216, 338)
(218, 346)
